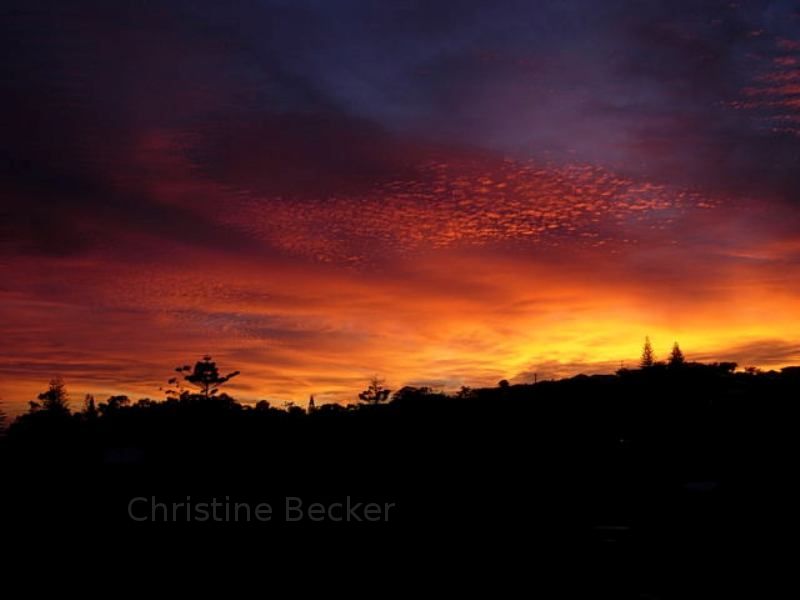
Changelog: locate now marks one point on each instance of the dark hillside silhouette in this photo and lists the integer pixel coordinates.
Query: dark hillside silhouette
(630, 468)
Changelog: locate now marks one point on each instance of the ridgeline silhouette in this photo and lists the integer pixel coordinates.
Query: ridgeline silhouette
(662, 456)
(677, 403)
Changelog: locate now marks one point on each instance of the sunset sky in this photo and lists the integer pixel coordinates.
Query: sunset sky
(443, 194)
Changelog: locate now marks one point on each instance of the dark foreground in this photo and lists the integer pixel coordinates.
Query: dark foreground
(624, 485)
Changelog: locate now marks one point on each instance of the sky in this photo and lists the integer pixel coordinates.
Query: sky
(441, 194)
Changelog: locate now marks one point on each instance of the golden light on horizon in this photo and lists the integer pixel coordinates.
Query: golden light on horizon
(445, 317)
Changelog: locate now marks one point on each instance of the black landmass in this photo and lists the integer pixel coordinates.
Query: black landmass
(631, 473)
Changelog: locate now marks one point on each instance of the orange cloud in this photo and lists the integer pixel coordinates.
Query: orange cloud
(464, 271)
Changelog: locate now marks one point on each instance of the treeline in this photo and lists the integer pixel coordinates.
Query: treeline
(667, 459)
(655, 446)
(203, 383)
(630, 404)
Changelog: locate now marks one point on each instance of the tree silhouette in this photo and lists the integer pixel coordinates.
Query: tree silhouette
(648, 358)
(89, 407)
(204, 375)
(465, 393)
(114, 403)
(375, 393)
(676, 358)
(54, 401)
(411, 393)
(145, 403)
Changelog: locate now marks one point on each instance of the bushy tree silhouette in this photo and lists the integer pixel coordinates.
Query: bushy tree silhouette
(145, 403)
(465, 392)
(375, 393)
(648, 357)
(676, 358)
(54, 401)
(205, 376)
(114, 403)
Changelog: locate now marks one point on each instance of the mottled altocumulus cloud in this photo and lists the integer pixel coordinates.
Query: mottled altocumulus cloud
(444, 193)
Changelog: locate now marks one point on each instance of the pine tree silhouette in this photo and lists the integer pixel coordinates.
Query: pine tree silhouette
(55, 400)
(89, 407)
(676, 358)
(648, 358)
